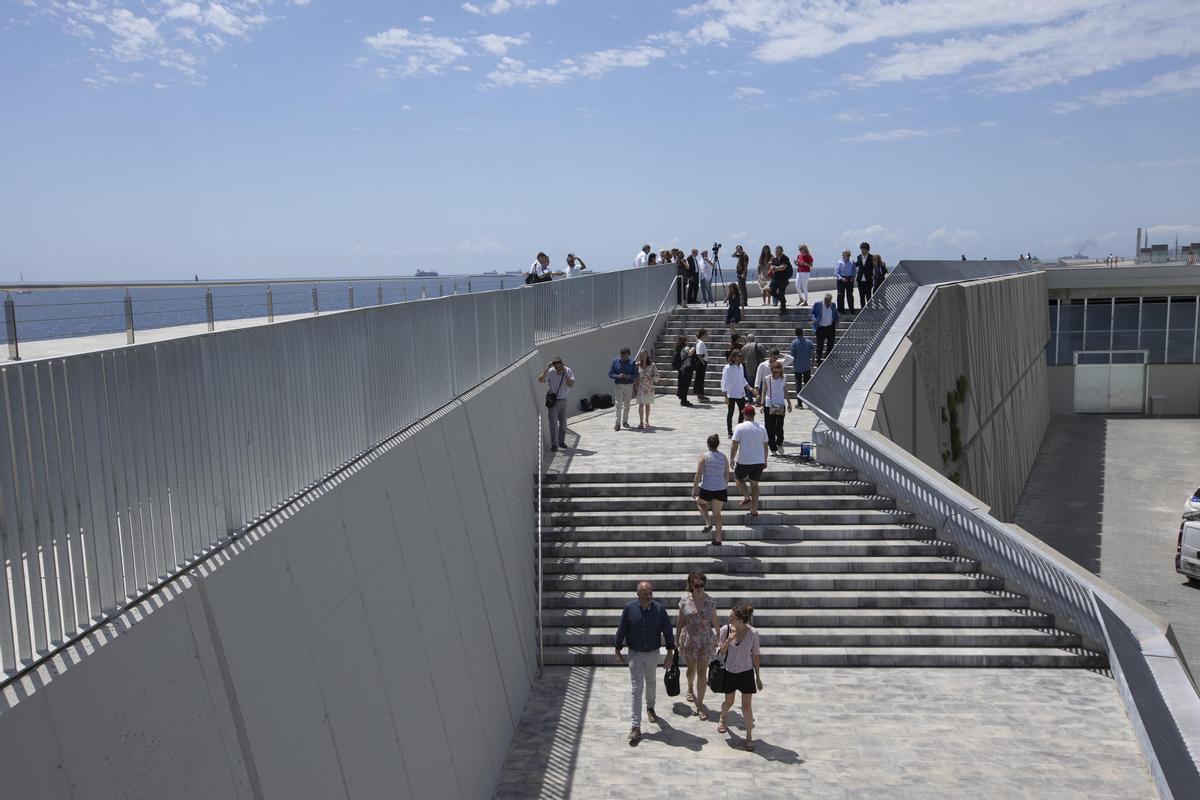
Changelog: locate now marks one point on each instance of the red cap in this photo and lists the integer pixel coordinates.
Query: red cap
(747, 410)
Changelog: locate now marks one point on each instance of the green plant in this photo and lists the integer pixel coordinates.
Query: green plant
(954, 399)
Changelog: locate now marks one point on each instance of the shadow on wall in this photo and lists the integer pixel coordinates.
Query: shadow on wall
(1063, 500)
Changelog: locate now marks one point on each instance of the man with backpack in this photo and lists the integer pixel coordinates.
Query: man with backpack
(753, 354)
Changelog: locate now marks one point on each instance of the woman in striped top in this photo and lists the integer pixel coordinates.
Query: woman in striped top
(739, 646)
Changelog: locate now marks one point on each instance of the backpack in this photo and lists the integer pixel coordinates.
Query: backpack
(585, 405)
(677, 359)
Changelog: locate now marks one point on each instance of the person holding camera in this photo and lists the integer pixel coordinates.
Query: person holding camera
(575, 265)
(706, 273)
(559, 378)
(742, 269)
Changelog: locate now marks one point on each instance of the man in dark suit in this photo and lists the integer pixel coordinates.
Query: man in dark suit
(864, 273)
(693, 275)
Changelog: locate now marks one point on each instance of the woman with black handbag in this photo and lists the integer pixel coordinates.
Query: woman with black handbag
(739, 646)
(696, 635)
(772, 393)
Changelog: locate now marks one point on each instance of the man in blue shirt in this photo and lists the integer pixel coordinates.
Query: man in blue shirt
(623, 373)
(801, 361)
(845, 272)
(645, 623)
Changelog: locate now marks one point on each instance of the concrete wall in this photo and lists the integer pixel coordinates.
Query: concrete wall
(375, 640)
(1177, 384)
(994, 334)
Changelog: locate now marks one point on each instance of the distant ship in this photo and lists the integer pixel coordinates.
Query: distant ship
(491, 272)
(514, 272)
(426, 273)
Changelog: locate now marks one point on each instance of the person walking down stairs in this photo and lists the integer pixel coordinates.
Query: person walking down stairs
(681, 362)
(644, 624)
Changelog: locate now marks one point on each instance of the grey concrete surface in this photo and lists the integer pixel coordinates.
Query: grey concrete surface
(373, 640)
(836, 733)
(1108, 493)
(1177, 386)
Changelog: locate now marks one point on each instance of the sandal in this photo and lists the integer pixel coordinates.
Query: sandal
(721, 727)
(750, 745)
(691, 698)
(702, 714)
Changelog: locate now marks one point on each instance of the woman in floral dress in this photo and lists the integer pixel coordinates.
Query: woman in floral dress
(643, 388)
(696, 636)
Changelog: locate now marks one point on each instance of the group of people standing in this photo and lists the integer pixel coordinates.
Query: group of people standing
(645, 627)
(866, 273)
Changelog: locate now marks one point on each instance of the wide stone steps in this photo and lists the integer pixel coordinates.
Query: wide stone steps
(734, 516)
(1015, 657)
(616, 599)
(776, 566)
(777, 637)
(838, 574)
(766, 503)
(750, 584)
(771, 619)
(736, 535)
(684, 489)
(746, 549)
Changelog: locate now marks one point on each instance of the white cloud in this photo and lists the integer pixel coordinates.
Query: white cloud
(987, 123)
(175, 36)
(1174, 230)
(747, 92)
(1010, 46)
(501, 6)
(427, 19)
(950, 236)
(896, 134)
(1170, 163)
(512, 72)
(498, 45)
(1176, 82)
(871, 233)
(483, 246)
(414, 53)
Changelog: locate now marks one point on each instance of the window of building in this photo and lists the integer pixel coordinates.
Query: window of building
(1181, 331)
(1098, 324)
(1154, 328)
(1126, 311)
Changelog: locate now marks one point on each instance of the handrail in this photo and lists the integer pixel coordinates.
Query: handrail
(541, 474)
(1153, 679)
(661, 306)
(200, 284)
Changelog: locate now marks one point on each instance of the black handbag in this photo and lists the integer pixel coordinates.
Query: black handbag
(671, 677)
(716, 675)
(552, 396)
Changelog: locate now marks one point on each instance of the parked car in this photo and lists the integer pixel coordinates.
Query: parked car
(1193, 506)
(1187, 547)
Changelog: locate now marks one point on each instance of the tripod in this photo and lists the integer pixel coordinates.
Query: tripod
(717, 273)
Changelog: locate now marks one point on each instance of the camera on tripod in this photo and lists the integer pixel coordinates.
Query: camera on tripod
(716, 248)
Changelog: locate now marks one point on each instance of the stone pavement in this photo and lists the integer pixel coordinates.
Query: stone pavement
(675, 440)
(836, 733)
(1119, 514)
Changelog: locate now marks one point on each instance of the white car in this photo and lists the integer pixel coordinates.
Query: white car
(1187, 547)
(1192, 506)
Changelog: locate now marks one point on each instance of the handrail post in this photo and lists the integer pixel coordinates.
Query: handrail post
(128, 301)
(10, 327)
(424, 294)
(541, 639)
(208, 308)
(316, 308)
(350, 296)
(270, 305)
(468, 285)
(379, 294)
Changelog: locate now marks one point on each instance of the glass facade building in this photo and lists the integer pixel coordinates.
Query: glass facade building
(1165, 327)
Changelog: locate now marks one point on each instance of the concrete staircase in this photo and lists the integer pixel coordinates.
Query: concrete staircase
(770, 330)
(838, 576)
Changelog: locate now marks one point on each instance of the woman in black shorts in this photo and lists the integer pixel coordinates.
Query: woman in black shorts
(710, 486)
(739, 648)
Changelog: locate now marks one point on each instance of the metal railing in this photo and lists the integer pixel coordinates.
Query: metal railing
(1133, 639)
(39, 311)
(119, 468)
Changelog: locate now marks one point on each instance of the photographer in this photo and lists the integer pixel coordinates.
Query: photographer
(575, 265)
(559, 378)
(743, 268)
(706, 273)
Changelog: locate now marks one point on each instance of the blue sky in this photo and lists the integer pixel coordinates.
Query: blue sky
(163, 138)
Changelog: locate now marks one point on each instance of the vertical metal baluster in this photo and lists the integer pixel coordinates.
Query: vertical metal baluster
(70, 568)
(117, 485)
(128, 301)
(104, 515)
(26, 563)
(87, 589)
(10, 327)
(210, 420)
(208, 308)
(13, 577)
(44, 533)
(316, 308)
(379, 294)
(270, 305)
(127, 447)
(350, 296)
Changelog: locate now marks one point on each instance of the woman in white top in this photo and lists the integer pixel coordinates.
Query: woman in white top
(643, 388)
(739, 645)
(710, 486)
(772, 393)
(733, 384)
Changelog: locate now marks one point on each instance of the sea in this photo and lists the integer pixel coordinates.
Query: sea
(63, 313)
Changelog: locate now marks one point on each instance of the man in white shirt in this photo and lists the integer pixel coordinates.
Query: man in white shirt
(706, 273)
(643, 256)
(700, 364)
(748, 454)
(559, 378)
(575, 265)
(764, 369)
(539, 270)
